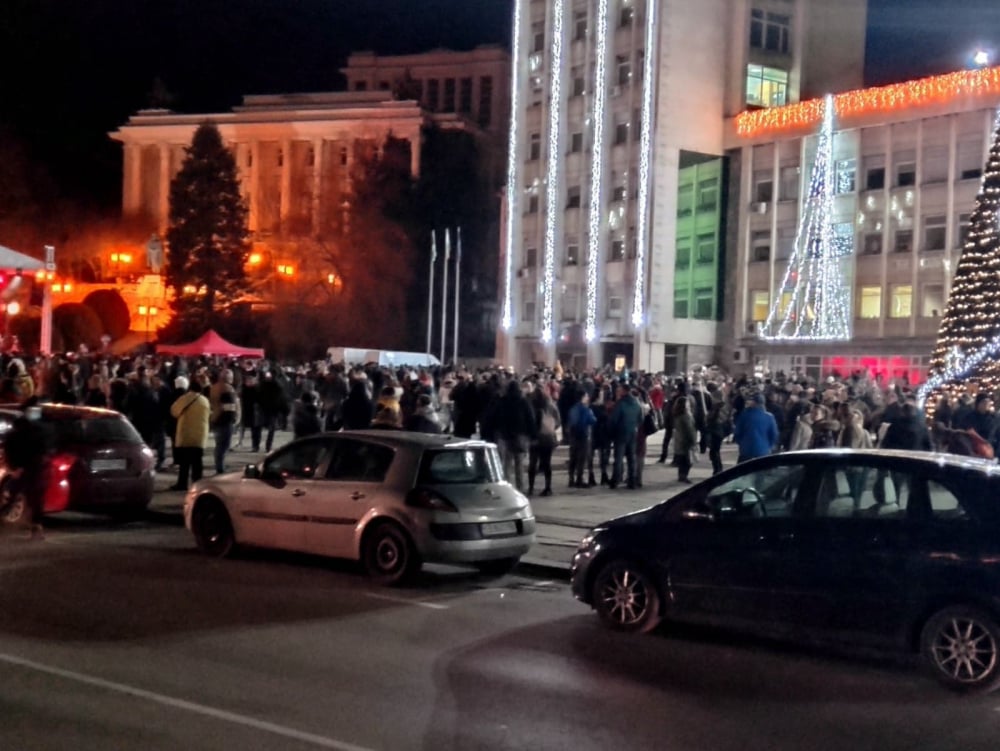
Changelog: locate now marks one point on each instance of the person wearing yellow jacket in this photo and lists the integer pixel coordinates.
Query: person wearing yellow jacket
(191, 410)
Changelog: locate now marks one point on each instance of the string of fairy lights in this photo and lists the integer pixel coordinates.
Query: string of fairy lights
(595, 209)
(968, 345)
(645, 159)
(552, 184)
(513, 176)
(813, 302)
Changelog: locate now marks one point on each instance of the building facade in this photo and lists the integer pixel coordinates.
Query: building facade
(907, 166)
(618, 208)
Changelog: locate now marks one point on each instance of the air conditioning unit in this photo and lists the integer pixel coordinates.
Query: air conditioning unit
(760, 207)
(740, 355)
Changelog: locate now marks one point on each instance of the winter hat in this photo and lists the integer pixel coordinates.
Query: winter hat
(180, 382)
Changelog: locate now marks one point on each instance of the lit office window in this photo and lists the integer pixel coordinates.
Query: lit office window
(870, 302)
(900, 301)
(760, 302)
(766, 87)
(932, 300)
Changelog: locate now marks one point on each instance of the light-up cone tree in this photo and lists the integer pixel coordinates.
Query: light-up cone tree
(967, 355)
(813, 302)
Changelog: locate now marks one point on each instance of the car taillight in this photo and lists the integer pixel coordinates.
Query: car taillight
(426, 498)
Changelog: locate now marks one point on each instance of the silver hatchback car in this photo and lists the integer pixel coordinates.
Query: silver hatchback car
(389, 499)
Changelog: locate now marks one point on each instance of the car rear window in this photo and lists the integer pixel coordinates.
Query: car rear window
(96, 430)
(460, 466)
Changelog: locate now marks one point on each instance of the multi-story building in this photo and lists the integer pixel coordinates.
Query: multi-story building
(907, 162)
(619, 208)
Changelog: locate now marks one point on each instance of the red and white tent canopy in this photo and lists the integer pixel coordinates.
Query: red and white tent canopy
(210, 343)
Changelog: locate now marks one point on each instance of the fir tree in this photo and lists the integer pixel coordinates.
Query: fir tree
(967, 355)
(208, 240)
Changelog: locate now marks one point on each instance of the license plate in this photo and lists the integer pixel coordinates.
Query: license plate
(107, 465)
(495, 529)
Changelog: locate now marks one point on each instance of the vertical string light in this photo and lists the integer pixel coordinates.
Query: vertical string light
(645, 156)
(819, 307)
(596, 207)
(513, 176)
(553, 208)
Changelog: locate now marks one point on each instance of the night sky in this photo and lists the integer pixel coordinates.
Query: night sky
(72, 70)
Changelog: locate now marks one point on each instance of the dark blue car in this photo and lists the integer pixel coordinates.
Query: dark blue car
(891, 549)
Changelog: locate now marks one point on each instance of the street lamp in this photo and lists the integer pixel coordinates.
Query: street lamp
(120, 259)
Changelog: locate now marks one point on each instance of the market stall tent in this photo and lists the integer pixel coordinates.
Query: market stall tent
(210, 343)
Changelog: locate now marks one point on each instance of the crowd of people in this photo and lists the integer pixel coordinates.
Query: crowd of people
(604, 417)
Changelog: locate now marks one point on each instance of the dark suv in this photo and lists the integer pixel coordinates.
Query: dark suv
(99, 464)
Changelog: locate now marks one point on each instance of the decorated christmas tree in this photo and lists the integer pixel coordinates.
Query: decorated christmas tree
(967, 355)
(814, 299)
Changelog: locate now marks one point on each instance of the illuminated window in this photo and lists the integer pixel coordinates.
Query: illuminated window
(770, 31)
(760, 302)
(935, 226)
(870, 302)
(900, 300)
(766, 87)
(931, 300)
(843, 238)
(760, 246)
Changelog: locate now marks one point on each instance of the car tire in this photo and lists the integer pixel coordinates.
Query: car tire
(498, 566)
(961, 647)
(212, 528)
(388, 555)
(625, 597)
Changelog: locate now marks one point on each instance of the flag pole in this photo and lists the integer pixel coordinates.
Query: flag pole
(458, 291)
(444, 293)
(430, 292)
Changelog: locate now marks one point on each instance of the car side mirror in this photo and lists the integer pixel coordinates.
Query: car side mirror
(252, 472)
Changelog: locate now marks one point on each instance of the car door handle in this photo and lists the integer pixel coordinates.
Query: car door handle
(298, 491)
(357, 495)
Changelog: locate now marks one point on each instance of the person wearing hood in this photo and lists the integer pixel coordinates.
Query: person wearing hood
(424, 419)
(825, 429)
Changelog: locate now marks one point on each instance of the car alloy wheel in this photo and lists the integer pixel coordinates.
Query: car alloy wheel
(626, 598)
(962, 647)
(13, 506)
(213, 530)
(388, 555)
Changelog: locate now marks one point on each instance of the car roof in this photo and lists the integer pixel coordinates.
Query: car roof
(63, 411)
(939, 459)
(411, 438)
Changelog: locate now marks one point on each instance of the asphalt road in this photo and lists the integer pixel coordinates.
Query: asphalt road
(123, 637)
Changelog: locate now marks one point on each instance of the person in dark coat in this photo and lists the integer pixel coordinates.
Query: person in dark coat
(26, 451)
(514, 422)
(908, 431)
(983, 421)
(543, 445)
(623, 425)
(305, 416)
(358, 409)
(250, 417)
(424, 419)
(465, 405)
(272, 406)
(600, 442)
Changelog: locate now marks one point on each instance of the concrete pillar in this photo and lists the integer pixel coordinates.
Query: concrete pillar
(132, 179)
(163, 193)
(285, 204)
(317, 184)
(254, 191)
(415, 142)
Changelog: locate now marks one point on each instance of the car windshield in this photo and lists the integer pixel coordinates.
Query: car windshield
(97, 430)
(461, 466)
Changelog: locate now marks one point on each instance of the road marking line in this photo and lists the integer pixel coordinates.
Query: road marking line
(404, 601)
(169, 701)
